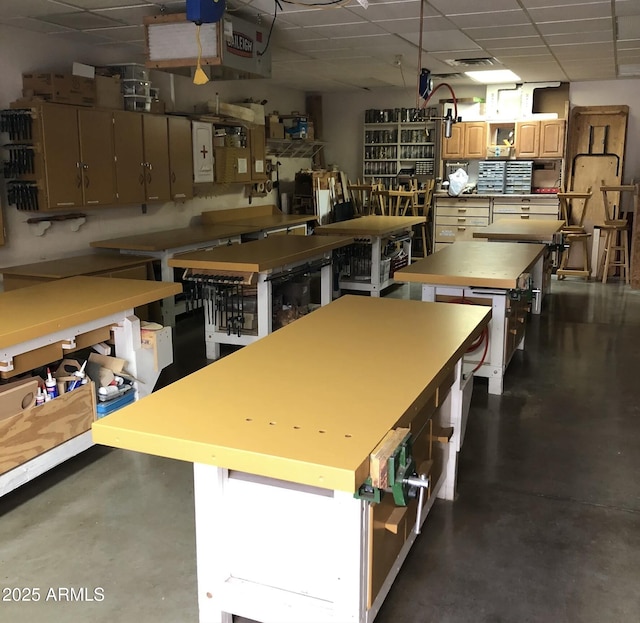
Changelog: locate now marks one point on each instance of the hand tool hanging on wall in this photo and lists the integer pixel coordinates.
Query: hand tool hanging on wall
(17, 123)
(24, 195)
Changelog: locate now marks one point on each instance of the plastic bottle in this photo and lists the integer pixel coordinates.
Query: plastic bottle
(39, 397)
(51, 385)
(80, 378)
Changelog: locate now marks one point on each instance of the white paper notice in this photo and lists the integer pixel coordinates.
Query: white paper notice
(259, 166)
(242, 165)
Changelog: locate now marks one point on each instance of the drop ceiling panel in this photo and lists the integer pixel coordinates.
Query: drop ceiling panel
(630, 44)
(123, 33)
(397, 10)
(444, 40)
(579, 37)
(99, 4)
(587, 51)
(30, 8)
(499, 32)
(361, 29)
(322, 18)
(81, 38)
(511, 42)
(34, 25)
(459, 7)
(627, 7)
(629, 27)
(81, 20)
(132, 16)
(496, 18)
(561, 13)
(576, 25)
(534, 4)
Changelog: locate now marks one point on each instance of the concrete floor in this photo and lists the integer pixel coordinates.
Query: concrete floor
(546, 527)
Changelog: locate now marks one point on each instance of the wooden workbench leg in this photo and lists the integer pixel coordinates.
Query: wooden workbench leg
(211, 552)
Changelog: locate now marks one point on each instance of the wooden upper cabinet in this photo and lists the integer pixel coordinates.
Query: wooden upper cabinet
(97, 156)
(130, 169)
(540, 138)
(475, 140)
(180, 158)
(156, 157)
(232, 164)
(527, 139)
(61, 147)
(258, 146)
(453, 147)
(552, 134)
(468, 140)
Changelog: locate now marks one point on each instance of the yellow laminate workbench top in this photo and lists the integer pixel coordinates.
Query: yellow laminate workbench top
(370, 225)
(260, 255)
(78, 265)
(474, 264)
(174, 238)
(307, 403)
(520, 229)
(35, 311)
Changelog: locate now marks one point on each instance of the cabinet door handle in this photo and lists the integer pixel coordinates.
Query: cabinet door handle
(86, 181)
(462, 228)
(173, 177)
(462, 219)
(141, 179)
(525, 215)
(79, 180)
(462, 209)
(525, 207)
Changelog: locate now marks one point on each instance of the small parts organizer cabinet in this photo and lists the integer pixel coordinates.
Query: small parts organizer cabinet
(81, 312)
(456, 218)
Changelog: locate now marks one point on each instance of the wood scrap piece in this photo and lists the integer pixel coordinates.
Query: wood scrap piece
(378, 459)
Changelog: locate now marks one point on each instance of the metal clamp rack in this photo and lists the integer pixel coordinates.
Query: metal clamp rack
(20, 168)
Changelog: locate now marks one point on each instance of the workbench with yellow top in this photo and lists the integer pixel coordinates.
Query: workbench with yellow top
(284, 447)
(264, 220)
(372, 232)
(41, 324)
(163, 245)
(506, 276)
(221, 277)
(544, 231)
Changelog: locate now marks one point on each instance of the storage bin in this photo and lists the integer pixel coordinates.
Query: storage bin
(38, 429)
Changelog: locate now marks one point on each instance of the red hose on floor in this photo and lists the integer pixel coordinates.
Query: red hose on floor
(483, 337)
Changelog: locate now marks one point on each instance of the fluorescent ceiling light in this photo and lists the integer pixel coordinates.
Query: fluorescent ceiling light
(493, 76)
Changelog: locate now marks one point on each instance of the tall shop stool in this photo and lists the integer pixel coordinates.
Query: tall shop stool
(575, 235)
(616, 242)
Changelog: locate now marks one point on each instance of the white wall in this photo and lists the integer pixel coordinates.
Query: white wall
(22, 51)
(611, 93)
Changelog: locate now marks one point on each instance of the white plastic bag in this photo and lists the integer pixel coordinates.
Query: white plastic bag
(457, 181)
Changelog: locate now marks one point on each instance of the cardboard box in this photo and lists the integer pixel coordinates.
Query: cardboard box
(109, 92)
(59, 88)
(157, 107)
(56, 85)
(275, 130)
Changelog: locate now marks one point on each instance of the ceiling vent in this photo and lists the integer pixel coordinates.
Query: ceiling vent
(450, 77)
(488, 61)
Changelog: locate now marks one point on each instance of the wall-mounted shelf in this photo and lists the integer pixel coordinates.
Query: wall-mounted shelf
(289, 148)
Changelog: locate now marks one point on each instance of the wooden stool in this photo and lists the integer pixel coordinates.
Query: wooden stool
(574, 235)
(616, 242)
